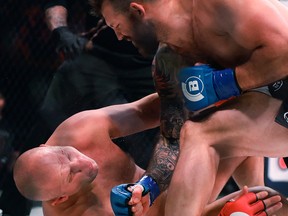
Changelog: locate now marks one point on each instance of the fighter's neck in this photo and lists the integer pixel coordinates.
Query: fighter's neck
(175, 17)
(80, 203)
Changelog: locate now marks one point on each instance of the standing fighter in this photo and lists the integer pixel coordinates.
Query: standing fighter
(70, 182)
(249, 48)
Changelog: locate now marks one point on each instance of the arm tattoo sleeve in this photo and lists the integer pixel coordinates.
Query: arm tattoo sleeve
(165, 68)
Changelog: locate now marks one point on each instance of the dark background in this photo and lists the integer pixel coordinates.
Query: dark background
(27, 64)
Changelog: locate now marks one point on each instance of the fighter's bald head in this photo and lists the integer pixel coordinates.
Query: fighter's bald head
(30, 174)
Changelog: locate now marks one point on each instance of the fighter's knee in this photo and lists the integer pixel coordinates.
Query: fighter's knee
(197, 134)
(190, 133)
(190, 128)
(186, 129)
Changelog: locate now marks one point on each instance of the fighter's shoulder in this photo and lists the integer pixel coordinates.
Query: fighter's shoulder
(219, 8)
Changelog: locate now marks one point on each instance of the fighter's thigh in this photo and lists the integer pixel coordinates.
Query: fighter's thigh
(250, 172)
(250, 127)
(244, 126)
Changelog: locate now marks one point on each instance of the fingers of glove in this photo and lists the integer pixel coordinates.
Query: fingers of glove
(262, 195)
(258, 206)
(270, 206)
(262, 213)
(136, 194)
(248, 198)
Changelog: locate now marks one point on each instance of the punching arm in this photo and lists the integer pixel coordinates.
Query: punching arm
(68, 43)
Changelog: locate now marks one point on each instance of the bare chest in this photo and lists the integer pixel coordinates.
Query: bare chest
(217, 46)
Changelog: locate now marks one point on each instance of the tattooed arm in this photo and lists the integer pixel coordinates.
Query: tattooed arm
(165, 68)
(173, 115)
(56, 16)
(68, 44)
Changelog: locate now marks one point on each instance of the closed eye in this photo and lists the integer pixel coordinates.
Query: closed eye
(70, 177)
(70, 174)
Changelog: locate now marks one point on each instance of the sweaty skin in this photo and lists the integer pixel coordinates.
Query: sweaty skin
(235, 34)
(174, 115)
(89, 132)
(76, 191)
(217, 129)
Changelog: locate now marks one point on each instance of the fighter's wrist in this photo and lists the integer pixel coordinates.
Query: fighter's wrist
(60, 33)
(60, 29)
(150, 186)
(225, 83)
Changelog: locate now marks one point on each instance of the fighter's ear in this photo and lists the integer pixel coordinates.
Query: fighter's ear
(59, 200)
(137, 9)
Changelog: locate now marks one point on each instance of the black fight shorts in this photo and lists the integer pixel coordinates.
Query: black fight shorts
(279, 90)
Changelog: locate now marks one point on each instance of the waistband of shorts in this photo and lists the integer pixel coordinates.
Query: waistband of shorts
(278, 89)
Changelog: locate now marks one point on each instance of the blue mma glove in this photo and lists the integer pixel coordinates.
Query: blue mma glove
(120, 195)
(119, 198)
(203, 86)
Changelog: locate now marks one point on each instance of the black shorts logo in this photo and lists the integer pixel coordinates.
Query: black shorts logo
(285, 116)
(282, 116)
(277, 85)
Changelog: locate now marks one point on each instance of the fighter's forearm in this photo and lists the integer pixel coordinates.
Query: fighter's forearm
(166, 152)
(165, 69)
(163, 162)
(56, 16)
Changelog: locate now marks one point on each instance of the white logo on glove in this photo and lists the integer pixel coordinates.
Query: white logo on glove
(193, 88)
(239, 214)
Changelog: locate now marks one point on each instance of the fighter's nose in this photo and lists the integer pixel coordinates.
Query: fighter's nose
(80, 165)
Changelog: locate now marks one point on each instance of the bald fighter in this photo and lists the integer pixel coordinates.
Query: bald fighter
(70, 182)
(74, 172)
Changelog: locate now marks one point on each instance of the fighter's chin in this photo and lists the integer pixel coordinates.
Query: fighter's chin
(140, 49)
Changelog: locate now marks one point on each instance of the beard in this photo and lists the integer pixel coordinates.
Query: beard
(144, 38)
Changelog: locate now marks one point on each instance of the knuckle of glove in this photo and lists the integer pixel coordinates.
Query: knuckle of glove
(234, 208)
(119, 198)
